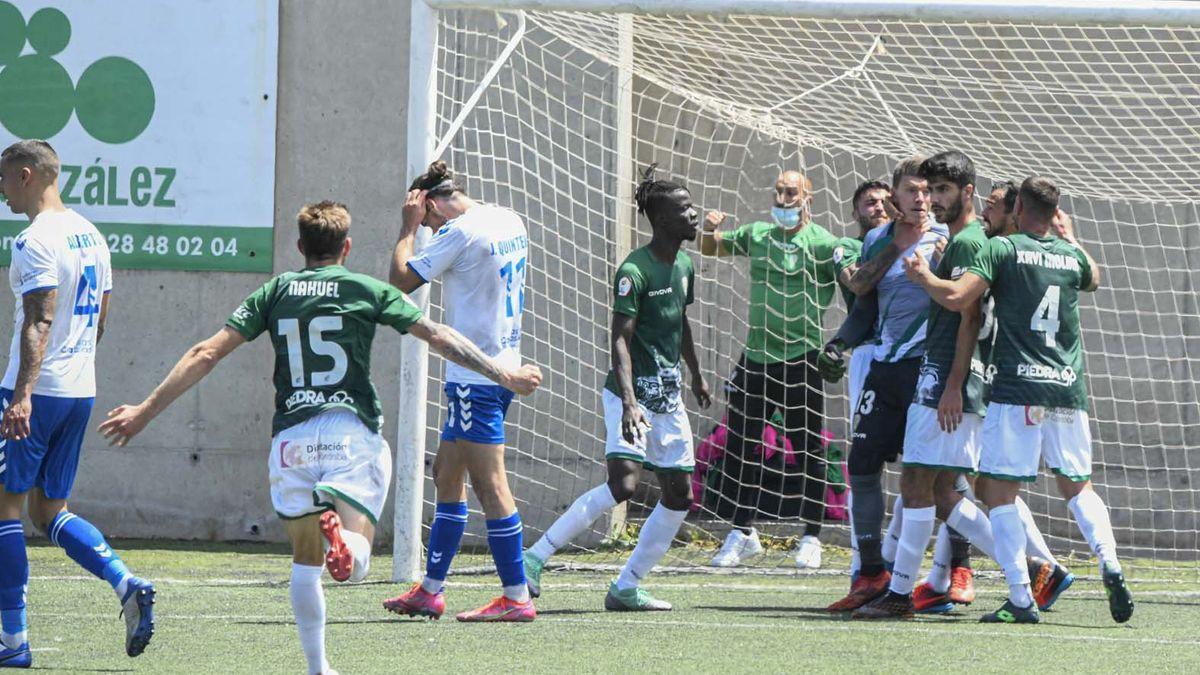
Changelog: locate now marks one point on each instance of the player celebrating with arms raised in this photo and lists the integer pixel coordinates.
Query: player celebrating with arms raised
(1039, 393)
(329, 466)
(61, 276)
(646, 423)
(480, 251)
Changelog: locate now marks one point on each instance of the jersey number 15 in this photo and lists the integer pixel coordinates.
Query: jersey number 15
(289, 329)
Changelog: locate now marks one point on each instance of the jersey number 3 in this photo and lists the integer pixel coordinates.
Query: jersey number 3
(289, 329)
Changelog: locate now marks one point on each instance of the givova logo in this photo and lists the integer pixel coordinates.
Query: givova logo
(113, 99)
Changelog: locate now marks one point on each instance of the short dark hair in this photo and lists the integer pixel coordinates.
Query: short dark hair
(653, 194)
(33, 153)
(951, 165)
(438, 181)
(1039, 195)
(324, 227)
(1010, 193)
(908, 167)
(867, 186)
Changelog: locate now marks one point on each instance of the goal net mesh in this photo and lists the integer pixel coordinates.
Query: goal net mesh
(723, 104)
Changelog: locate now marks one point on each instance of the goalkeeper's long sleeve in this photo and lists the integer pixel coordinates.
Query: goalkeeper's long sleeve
(859, 325)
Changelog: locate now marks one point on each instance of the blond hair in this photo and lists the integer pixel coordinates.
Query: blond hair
(323, 228)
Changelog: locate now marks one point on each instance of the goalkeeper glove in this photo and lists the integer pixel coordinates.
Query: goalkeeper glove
(831, 363)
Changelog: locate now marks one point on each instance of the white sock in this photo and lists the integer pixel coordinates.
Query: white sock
(655, 538)
(308, 604)
(939, 574)
(360, 548)
(914, 538)
(974, 525)
(1091, 515)
(1009, 533)
(1035, 543)
(571, 524)
(518, 593)
(891, 540)
(122, 586)
(13, 640)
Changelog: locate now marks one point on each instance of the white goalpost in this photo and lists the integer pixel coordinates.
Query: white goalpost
(549, 107)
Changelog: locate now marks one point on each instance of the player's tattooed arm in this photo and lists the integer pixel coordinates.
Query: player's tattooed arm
(633, 422)
(867, 276)
(126, 421)
(38, 307)
(950, 408)
(413, 214)
(455, 347)
(699, 386)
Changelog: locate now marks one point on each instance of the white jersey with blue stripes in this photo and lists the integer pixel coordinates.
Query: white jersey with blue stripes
(482, 258)
(62, 251)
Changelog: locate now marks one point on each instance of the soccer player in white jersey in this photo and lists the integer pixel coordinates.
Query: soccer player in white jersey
(480, 252)
(329, 466)
(61, 277)
(1039, 397)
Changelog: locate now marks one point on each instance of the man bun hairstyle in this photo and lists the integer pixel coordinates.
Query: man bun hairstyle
(951, 165)
(906, 168)
(653, 194)
(438, 181)
(1039, 196)
(33, 153)
(324, 227)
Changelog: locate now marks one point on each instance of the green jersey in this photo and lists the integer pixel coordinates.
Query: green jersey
(655, 294)
(846, 254)
(941, 331)
(792, 280)
(322, 322)
(1035, 283)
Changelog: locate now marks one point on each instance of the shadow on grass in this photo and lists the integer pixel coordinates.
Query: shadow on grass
(185, 546)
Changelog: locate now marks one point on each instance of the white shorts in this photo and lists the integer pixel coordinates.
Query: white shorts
(330, 455)
(860, 365)
(665, 446)
(925, 444)
(1016, 437)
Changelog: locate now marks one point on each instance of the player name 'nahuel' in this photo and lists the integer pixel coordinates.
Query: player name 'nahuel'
(315, 289)
(1054, 261)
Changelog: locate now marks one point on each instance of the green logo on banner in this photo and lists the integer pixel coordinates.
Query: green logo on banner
(113, 99)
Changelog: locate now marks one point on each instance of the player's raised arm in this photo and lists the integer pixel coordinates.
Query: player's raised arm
(413, 215)
(126, 421)
(711, 239)
(1064, 227)
(953, 295)
(688, 352)
(453, 346)
(38, 307)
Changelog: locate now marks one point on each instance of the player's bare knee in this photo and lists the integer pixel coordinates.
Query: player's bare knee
(1069, 488)
(676, 490)
(622, 487)
(945, 499)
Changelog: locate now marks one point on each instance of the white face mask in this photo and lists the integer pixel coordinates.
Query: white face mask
(786, 217)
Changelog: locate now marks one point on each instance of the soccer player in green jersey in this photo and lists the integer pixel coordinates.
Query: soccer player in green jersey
(997, 212)
(329, 466)
(646, 423)
(792, 282)
(1039, 401)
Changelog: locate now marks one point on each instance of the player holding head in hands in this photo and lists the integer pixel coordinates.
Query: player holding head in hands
(792, 281)
(480, 253)
(1039, 401)
(329, 466)
(645, 419)
(61, 277)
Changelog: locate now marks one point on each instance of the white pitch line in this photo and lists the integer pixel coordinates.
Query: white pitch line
(1075, 592)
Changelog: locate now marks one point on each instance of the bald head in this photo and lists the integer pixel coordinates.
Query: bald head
(792, 188)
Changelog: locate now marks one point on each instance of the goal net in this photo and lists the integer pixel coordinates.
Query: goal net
(723, 104)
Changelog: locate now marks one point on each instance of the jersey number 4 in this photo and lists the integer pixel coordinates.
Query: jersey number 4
(87, 294)
(1045, 317)
(289, 329)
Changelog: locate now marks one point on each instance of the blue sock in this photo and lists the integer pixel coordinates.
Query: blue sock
(85, 545)
(505, 541)
(14, 575)
(445, 535)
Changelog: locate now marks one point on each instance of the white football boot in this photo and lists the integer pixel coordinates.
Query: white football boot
(738, 548)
